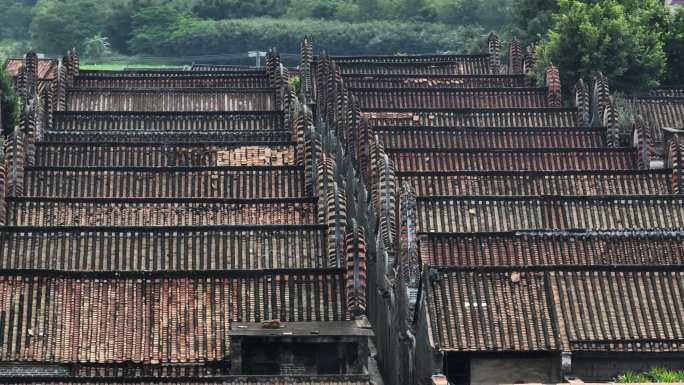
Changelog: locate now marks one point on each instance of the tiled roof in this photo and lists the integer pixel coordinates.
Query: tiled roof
(157, 208)
(588, 182)
(434, 81)
(533, 249)
(668, 91)
(476, 159)
(223, 69)
(473, 311)
(47, 68)
(164, 249)
(191, 154)
(485, 214)
(426, 65)
(165, 182)
(417, 60)
(130, 124)
(532, 227)
(161, 211)
(597, 310)
(659, 113)
(370, 98)
(619, 310)
(224, 380)
(176, 100)
(548, 117)
(183, 79)
(159, 320)
(491, 138)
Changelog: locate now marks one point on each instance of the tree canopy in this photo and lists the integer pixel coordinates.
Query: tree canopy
(604, 36)
(636, 43)
(8, 103)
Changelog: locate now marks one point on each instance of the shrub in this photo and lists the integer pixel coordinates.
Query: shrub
(661, 375)
(197, 37)
(8, 103)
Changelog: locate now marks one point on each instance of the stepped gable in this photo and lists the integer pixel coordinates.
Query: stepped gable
(507, 223)
(154, 209)
(46, 70)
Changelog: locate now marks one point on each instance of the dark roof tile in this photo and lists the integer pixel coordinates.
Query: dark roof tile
(536, 249)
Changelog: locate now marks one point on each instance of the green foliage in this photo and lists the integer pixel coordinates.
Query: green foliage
(230, 9)
(96, 47)
(488, 14)
(673, 40)
(8, 103)
(328, 10)
(531, 19)
(659, 375)
(15, 18)
(60, 25)
(632, 378)
(637, 43)
(119, 26)
(603, 36)
(295, 82)
(195, 37)
(13, 48)
(156, 27)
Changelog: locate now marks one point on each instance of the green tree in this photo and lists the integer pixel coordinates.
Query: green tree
(489, 14)
(155, 26)
(587, 38)
(15, 19)
(231, 9)
(369, 9)
(531, 19)
(8, 103)
(120, 25)
(96, 47)
(416, 10)
(60, 25)
(673, 40)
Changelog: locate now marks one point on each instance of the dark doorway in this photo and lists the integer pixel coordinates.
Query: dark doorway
(457, 367)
